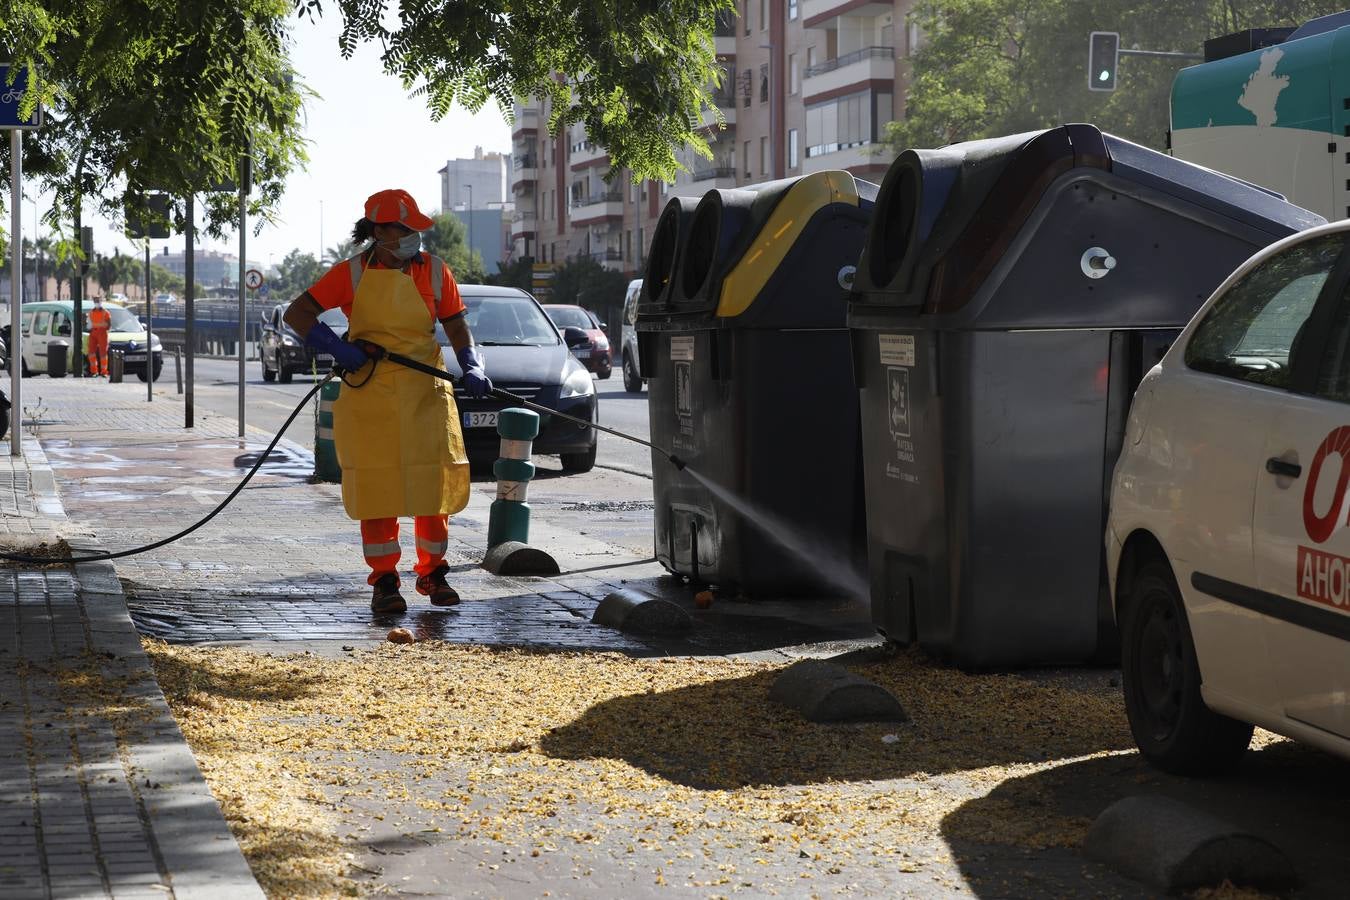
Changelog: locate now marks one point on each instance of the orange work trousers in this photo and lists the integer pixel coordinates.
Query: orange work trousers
(379, 542)
(98, 351)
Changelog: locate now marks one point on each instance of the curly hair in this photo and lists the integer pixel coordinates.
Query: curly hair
(362, 231)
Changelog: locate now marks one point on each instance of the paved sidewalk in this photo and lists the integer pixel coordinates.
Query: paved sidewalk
(283, 562)
(99, 794)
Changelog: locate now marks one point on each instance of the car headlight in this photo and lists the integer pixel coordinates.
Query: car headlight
(156, 346)
(577, 384)
(288, 341)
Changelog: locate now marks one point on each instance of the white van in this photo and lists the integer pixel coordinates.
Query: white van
(628, 352)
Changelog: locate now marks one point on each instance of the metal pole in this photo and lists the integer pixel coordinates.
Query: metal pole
(15, 291)
(243, 327)
(149, 340)
(470, 188)
(189, 297)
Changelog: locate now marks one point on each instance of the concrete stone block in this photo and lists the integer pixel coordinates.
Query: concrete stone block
(634, 611)
(827, 692)
(1174, 847)
(515, 558)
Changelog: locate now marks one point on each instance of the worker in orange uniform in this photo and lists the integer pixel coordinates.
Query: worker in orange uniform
(100, 322)
(396, 430)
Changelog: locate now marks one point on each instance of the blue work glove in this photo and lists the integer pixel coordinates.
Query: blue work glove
(348, 356)
(475, 380)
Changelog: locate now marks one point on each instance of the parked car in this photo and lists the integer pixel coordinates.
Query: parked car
(44, 322)
(1228, 542)
(282, 353)
(629, 361)
(584, 335)
(524, 354)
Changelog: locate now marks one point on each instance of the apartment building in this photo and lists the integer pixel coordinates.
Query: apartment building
(809, 86)
(480, 182)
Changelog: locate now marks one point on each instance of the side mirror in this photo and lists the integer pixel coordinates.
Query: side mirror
(604, 326)
(575, 337)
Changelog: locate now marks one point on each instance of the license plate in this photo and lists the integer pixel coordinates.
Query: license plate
(582, 354)
(480, 420)
(134, 357)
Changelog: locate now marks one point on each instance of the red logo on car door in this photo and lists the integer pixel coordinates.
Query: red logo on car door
(1321, 527)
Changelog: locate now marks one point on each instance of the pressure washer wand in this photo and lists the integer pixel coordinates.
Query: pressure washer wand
(378, 352)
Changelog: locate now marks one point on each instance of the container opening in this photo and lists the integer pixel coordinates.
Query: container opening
(895, 227)
(661, 259)
(701, 248)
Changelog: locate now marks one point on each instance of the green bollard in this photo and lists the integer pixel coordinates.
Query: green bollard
(509, 519)
(326, 466)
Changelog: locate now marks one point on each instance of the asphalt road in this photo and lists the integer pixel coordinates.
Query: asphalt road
(268, 405)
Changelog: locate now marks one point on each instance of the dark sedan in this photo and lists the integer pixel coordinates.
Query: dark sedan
(282, 353)
(524, 354)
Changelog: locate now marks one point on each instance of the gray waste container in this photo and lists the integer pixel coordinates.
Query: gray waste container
(1011, 295)
(744, 345)
(58, 357)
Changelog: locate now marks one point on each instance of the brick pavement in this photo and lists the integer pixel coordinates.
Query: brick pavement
(283, 562)
(99, 795)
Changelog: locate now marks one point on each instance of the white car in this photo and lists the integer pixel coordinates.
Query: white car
(1228, 546)
(628, 345)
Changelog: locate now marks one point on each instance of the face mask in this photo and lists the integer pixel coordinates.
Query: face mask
(405, 247)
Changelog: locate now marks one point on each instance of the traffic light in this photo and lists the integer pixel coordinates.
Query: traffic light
(1103, 59)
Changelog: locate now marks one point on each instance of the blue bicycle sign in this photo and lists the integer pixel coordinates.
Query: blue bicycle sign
(11, 96)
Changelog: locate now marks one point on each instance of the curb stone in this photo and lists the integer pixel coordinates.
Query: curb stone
(827, 692)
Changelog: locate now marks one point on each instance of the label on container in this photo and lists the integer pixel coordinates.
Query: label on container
(897, 349)
(682, 348)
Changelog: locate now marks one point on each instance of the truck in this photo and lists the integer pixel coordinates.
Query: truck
(1272, 107)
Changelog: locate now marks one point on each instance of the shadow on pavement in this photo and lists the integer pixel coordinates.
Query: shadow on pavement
(1295, 796)
(725, 734)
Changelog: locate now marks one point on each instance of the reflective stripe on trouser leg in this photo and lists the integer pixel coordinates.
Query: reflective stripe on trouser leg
(379, 543)
(433, 539)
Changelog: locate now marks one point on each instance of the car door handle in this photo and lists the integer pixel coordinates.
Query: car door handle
(1277, 466)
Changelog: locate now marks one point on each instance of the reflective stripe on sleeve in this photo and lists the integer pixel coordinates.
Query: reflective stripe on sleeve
(512, 490)
(375, 551)
(325, 434)
(516, 449)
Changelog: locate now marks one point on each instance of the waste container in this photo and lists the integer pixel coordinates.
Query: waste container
(747, 354)
(58, 357)
(1011, 295)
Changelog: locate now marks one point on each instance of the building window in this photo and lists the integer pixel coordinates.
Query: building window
(764, 83)
(845, 123)
(764, 164)
(792, 10)
(745, 15)
(794, 76)
(810, 58)
(641, 247)
(747, 79)
(792, 148)
(763, 14)
(748, 173)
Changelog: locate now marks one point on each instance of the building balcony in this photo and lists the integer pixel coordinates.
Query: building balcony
(858, 157)
(858, 67)
(523, 221)
(608, 254)
(597, 207)
(527, 119)
(822, 13)
(708, 119)
(524, 171)
(717, 174)
(585, 153)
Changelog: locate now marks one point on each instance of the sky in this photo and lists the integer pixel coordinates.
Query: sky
(361, 115)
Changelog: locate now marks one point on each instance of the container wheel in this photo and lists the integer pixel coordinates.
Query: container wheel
(1174, 729)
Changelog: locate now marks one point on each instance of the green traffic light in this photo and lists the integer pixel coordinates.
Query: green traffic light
(1105, 76)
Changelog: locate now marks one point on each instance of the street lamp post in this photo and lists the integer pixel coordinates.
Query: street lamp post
(469, 188)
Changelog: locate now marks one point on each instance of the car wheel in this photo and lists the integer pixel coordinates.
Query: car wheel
(285, 375)
(23, 367)
(605, 372)
(159, 367)
(632, 382)
(580, 462)
(268, 374)
(1173, 728)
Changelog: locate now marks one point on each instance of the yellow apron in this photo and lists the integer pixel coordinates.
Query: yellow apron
(398, 437)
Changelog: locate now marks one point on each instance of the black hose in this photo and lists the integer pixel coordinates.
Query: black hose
(100, 557)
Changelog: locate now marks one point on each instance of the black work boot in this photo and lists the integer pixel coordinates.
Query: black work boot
(386, 598)
(435, 587)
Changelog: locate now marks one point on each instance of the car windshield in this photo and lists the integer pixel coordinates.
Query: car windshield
(505, 320)
(570, 317)
(122, 320)
(335, 319)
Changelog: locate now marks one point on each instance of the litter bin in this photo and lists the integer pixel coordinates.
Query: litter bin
(116, 366)
(1011, 295)
(58, 356)
(744, 343)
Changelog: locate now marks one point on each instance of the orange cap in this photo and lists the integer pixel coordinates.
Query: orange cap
(384, 207)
